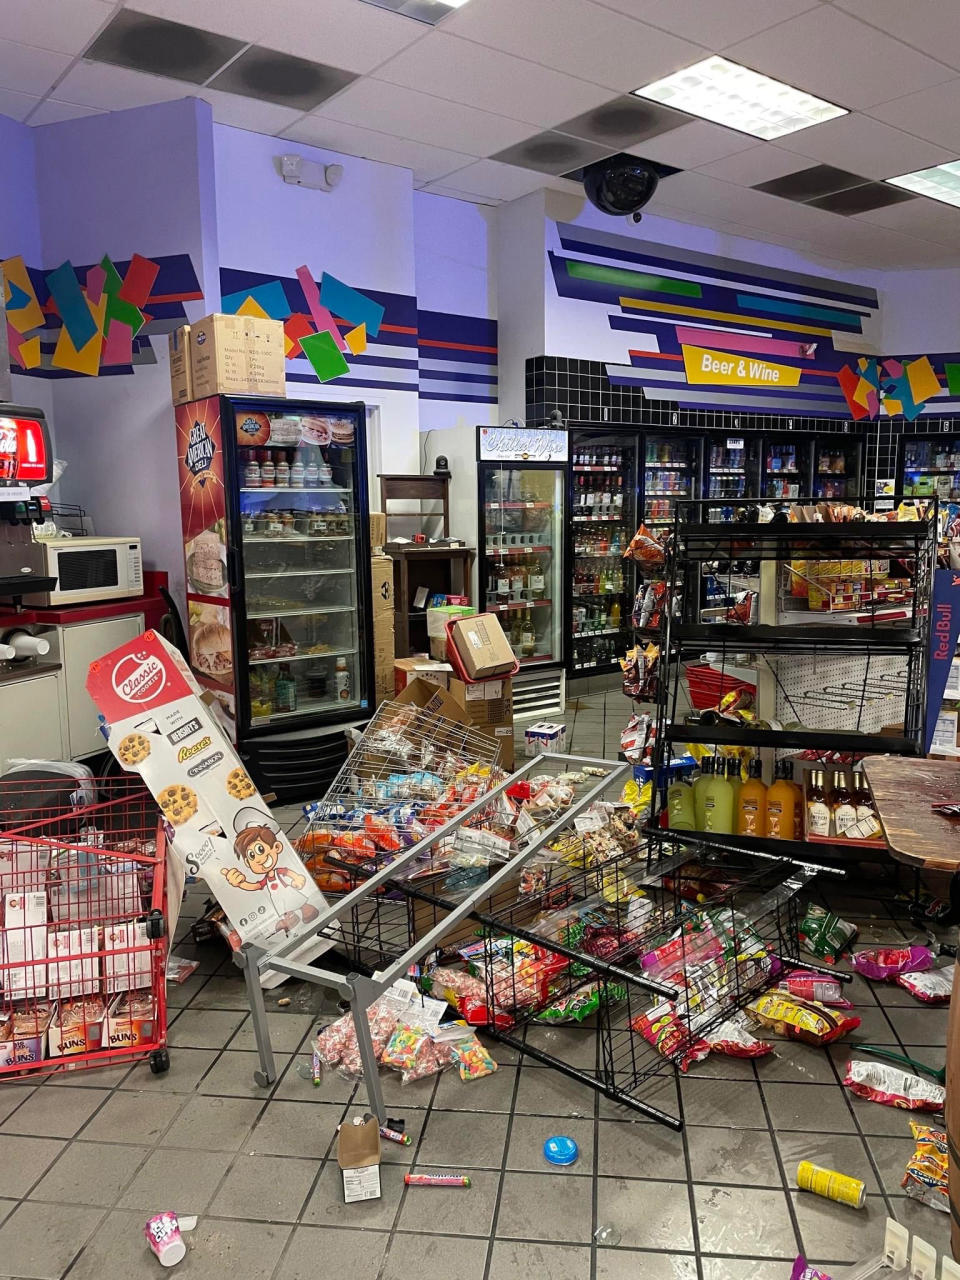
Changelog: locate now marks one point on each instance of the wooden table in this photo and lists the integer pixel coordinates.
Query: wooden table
(903, 789)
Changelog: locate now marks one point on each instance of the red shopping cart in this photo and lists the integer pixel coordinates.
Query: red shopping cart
(82, 924)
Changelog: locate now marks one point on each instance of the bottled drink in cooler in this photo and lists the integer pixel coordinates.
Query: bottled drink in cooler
(268, 472)
(341, 680)
(528, 637)
(283, 472)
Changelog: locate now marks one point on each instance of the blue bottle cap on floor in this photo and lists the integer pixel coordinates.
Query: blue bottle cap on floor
(560, 1150)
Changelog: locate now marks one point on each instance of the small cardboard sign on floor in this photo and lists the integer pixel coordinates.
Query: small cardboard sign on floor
(358, 1155)
(159, 726)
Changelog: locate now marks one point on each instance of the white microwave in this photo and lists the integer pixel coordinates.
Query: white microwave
(90, 569)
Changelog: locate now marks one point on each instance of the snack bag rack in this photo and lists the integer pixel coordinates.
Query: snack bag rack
(83, 940)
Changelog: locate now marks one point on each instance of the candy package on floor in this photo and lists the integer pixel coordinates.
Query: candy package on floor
(926, 1175)
(734, 1039)
(403, 1046)
(661, 1027)
(473, 1059)
(824, 934)
(337, 1044)
(582, 1003)
(933, 987)
(797, 1019)
(885, 964)
(802, 1271)
(894, 1088)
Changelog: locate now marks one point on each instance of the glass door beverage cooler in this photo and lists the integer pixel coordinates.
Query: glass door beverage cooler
(731, 473)
(522, 482)
(276, 543)
(837, 465)
(603, 518)
(930, 465)
(671, 465)
(786, 466)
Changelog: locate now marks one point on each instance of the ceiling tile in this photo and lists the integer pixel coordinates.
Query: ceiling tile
(493, 81)
(872, 195)
(17, 105)
(693, 144)
(624, 122)
(761, 162)
(830, 54)
(713, 25)
(811, 182)
(357, 37)
(94, 84)
(550, 152)
(65, 26)
(926, 218)
(281, 78)
(932, 26)
(865, 145)
(25, 69)
(502, 181)
(245, 20)
(932, 113)
(407, 113)
(158, 47)
(577, 37)
(50, 111)
(428, 163)
(248, 113)
(441, 189)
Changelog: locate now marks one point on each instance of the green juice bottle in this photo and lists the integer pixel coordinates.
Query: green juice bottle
(718, 804)
(707, 767)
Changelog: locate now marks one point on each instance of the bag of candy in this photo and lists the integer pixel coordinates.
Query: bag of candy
(805, 1020)
(403, 1046)
(473, 1059)
(661, 1027)
(824, 934)
(926, 1174)
(733, 1039)
(934, 987)
(382, 1019)
(886, 964)
(893, 1087)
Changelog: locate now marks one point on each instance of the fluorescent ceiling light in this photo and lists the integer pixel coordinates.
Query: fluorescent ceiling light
(735, 96)
(430, 11)
(942, 182)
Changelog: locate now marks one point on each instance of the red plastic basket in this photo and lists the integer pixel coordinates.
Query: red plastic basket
(708, 685)
(453, 657)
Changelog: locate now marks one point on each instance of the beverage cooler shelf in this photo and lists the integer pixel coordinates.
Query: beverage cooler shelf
(283, 612)
(518, 506)
(297, 573)
(495, 607)
(598, 519)
(302, 657)
(579, 467)
(295, 538)
(496, 552)
(607, 631)
(286, 489)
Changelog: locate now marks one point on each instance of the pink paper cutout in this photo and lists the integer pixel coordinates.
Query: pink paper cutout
(321, 315)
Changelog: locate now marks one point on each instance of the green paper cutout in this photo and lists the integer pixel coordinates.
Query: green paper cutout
(953, 378)
(324, 354)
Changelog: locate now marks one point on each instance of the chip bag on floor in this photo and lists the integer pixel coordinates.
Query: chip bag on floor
(824, 934)
(733, 1039)
(886, 964)
(934, 987)
(661, 1027)
(893, 1087)
(803, 1271)
(926, 1175)
(805, 1020)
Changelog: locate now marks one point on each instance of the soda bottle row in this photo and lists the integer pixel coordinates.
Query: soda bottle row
(598, 577)
(599, 496)
(584, 456)
(520, 579)
(303, 468)
(599, 542)
(782, 457)
(594, 652)
(592, 618)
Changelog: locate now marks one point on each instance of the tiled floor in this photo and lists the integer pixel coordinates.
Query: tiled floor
(84, 1159)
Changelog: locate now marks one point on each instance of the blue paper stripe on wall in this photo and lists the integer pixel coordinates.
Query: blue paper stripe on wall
(350, 305)
(270, 296)
(784, 307)
(71, 304)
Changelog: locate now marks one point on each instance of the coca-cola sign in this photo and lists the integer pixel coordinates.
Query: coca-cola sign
(139, 677)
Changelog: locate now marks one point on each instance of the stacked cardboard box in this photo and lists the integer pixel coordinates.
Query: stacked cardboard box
(486, 705)
(233, 355)
(381, 575)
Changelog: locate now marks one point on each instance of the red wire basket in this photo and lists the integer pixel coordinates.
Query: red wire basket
(82, 925)
(708, 685)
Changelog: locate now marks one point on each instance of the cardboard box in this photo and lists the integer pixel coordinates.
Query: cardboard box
(383, 660)
(77, 1027)
(381, 580)
(545, 738)
(126, 965)
(483, 648)
(181, 372)
(438, 618)
(24, 946)
(79, 973)
(23, 1036)
(408, 669)
(945, 732)
(488, 706)
(358, 1155)
(378, 530)
(131, 1021)
(237, 355)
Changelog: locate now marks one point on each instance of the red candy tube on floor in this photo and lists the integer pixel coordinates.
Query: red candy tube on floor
(436, 1180)
(391, 1135)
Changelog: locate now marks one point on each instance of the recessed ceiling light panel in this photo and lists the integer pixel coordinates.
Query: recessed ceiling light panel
(429, 11)
(728, 94)
(942, 182)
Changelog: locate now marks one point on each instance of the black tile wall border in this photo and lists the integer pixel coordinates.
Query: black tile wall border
(582, 392)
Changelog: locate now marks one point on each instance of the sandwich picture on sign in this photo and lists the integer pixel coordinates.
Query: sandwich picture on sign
(258, 846)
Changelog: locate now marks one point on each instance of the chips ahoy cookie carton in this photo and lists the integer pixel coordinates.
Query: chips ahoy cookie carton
(158, 725)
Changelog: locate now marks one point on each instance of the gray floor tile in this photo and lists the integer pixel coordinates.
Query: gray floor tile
(180, 994)
(185, 1183)
(796, 1064)
(186, 1068)
(648, 1215)
(743, 1157)
(454, 1140)
(265, 1188)
(429, 1255)
(638, 1151)
(721, 1066)
(742, 1269)
(932, 1055)
(118, 1250)
(204, 1028)
(545, 1092)
(219, 1250)
(490, 1093)
(93, 1078)
(6, 1208)
(353, 1254)
(844, 1153)
(835, 1233)
(925, 1222)
(920, 1026)
(543, 1206)
(808, 1107)
(626, 1264)
(400, 1097)
(529, 1133)
(874, 1028)
(222, 992)
(326, 1207)
(891, 1155)
(13, 1096)
(294, 1087)
(873, 1118)
(231, 1076)
(295, 1129)
(213, 1124)
(55, 1113)
(728, 1103)
(92, 1173)
(133, 1117)
(451, 1211)
(286, 1032)
(23, 1160)
(512, 1260)
(576, 1047)
(37, 1243)
(744, 1222)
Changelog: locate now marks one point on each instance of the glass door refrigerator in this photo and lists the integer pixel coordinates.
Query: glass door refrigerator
(731, 473)
(522, 482)
(276, 543)
(671, 466)
(929, 465)
(604, 485)
(837, 467)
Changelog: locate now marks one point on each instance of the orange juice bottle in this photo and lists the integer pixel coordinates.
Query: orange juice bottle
(782, 802)
(752, 804)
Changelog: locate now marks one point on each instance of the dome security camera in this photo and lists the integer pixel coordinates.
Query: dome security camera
(620, 187)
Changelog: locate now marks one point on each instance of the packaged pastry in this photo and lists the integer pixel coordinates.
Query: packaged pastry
(797, 1019)
(892, 1087)
(886, 964)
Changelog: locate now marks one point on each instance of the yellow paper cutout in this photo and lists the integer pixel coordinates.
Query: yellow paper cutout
(30, 353)
(923, 382)
(356, 340)
(288, 345)
(30, 316)
(251, 307)
(87, 359)
(863, 391)
(892, 407)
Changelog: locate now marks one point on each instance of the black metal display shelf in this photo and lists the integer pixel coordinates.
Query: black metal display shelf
(826, 740)
(802, 852)
(755, 541)
(801, 638)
